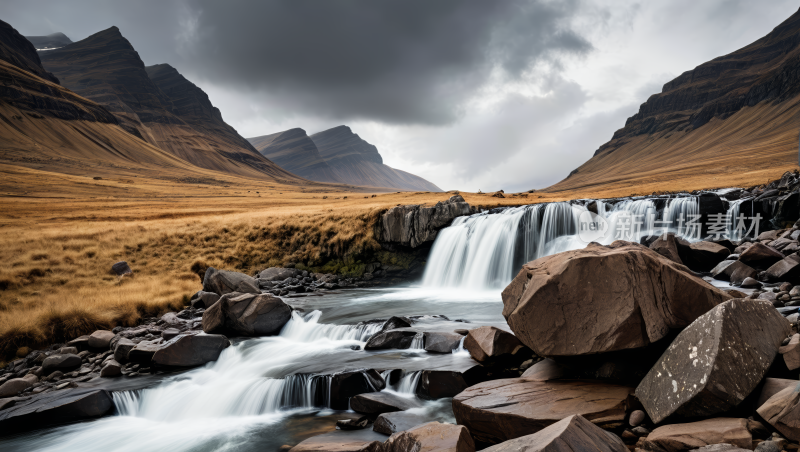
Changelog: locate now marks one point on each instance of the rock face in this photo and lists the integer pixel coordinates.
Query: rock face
(782, 411)
(499, 410)
(488, 343)
(381, 402)
(191, 350)
(247, 314)
(683, 437)
(56, 408)
(356, 162)
(17, 50)
(414, 225)
(345, 385)
(223, 282)
(294, 151)
(430, 437)
(635, 297)
(715, 362)
(573, 433)
(51, 41)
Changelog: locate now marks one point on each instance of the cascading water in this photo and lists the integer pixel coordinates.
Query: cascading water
(417, 343)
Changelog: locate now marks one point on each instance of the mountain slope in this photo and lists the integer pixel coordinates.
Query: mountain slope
(357, 162)
(294, 151)
(51, 41)
(105, 68)
(732, 116)
(18, 51)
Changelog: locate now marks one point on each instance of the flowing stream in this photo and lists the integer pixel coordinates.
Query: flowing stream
(266, 392)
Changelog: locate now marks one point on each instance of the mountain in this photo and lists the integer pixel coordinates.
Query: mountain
(51, 41)
(736, 114)
(357, 162)
(294, 151)
(18, 51)
(106, 69)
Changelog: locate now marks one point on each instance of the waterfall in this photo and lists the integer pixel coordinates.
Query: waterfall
(308, 329)
(732, 218)
(418, 342)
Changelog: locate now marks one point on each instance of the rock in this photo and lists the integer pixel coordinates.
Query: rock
(276, 274)
(170, 333)
(121, 268)
(768, 235)
(68, 351)
(191, 350)
(715, 362)
(342, 441)
(431, 437)
(751, 283)
(396, 322)
(668, 246)
(768, 446)
(143, 351)
(545, 370)
(461, 331)
(122, 348)
(573, 433)
(791, 353)
(399, 339)
(63, 363)
(247, 314)
(636, 418)
(100, 339)
(760, 256)
(782, 411)
(56, 407)
(635, 297)
(203, 300)
(439, 342)
(773, 386)
(703, 256)
(488, 343)
(734, 271)
(345, 385)
(735, 293)
(499, 410)
(81, 343)
(381, 402)
(111, 369)
(398, 421)
(414, 225)
(438, 384)
(683, 437)
(785, 270)
(223, 282)
(353, 424)
(14, 386)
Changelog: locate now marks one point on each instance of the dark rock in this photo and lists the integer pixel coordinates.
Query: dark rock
(203, 300)
(751, 283)
(684, 437)
(461, 331)
(787, 270)
(396, 322)
(734, 271)
(668, 246)
(170, 333)
(374, 403)
(636, 418)
(191, 350)
(546, 370)
(345, 385)
(247, 315)
(791, 353)
(773, 386)
(499, 410)
(276, 274)
(100, 340)
(573, 433)
(440, 342)
(14, 386)
(709, 204)
(635, 295)
(63, 363)
(431, 437)
(768, 446)
(715, 362)
(81, 343)
(400, 339)
(353, 424)
(57, 407)
(413, 225)
(111, 369)
(398, 421)
(143, 351)
(121, 268)
(760, 256)
(488, 343)
(68, 351)
(703, 256)
(782, 411)
(223, 282)
(122, 348)
(438, 384)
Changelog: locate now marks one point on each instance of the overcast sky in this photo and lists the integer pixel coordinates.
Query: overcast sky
(510, 94)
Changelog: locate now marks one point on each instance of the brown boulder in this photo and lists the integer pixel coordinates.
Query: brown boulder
(342, 441)
(785, 270)
(782, 411)
(573, 433)
(760, 256)
(247, 314)
(381, 402)
(773, 386)
(670, 246)
(633, 295)
(715, 362)
(683, 437)
(546, 370)
(398, 421)
(499, 410)
(734, 271)
(488, 343)
(223, 282)
(703, 256)
(791, 353)
(431, 437)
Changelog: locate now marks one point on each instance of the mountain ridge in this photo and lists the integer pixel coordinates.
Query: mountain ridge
(294, 151)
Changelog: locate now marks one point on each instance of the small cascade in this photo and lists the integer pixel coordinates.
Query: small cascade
(460, 348)
(418, 342)
(308, 329)
(677, 213)
(732, 219)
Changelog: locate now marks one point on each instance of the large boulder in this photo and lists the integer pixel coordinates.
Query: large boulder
(247, 314)
(782, 411)
(791, 353)
(64, 363)
(694, 435)
(734, 271)
(773, 386)
(438, 384)
(398, 421)
(431, 437)
(785, 270)
(381, 402)
(573, 433)
(414, 225)
(100, 339)
(191, 350)
(715, 362)
(441, 342)
(400, 339)
(703, 256)
(499, 410)
(347, 384)
(223, 282)
(143, 351)
(203, 299)
(760, 256)
(670, 246)
(488, 343)
(57, 407)
(633, 296)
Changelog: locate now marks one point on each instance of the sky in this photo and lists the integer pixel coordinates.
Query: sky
(469, 94)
